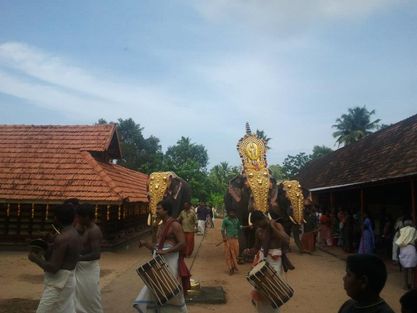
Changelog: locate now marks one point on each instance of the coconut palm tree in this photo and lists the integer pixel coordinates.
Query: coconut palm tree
(354, 125)
(261, 134)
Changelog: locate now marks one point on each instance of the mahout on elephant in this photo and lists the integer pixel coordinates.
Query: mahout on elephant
(256, 189)
(280, 207)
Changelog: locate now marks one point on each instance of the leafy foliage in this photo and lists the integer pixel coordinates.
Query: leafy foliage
(354, 125)
(293, 164)
(277, 172)
(319, 151)
(262, 135)
(189, 161)
(138, 153)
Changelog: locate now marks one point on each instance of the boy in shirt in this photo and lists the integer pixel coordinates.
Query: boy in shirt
(230, 232)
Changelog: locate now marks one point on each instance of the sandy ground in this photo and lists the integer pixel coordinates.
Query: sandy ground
(317, 280)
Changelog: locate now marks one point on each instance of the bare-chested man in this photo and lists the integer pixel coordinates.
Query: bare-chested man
(87, 272)
(170, 242)
(59, 264)
(271, 241)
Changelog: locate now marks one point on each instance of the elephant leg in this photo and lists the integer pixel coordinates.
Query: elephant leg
(295, 229)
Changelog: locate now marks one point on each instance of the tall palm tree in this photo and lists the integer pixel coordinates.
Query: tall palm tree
(261, 134)
(354, 125)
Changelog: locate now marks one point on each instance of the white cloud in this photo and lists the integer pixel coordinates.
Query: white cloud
(285, 16)
(52, 82)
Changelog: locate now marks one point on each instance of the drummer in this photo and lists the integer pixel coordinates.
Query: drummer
(270, 242)
(59, 265)
(170, 242)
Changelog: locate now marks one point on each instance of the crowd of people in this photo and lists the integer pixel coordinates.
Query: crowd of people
(372, 236)
(72, 270)
(366, 273)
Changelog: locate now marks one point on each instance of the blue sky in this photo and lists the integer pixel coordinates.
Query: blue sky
(203, 68)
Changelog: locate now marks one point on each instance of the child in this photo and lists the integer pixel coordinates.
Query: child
(365, 277)
(230, 232)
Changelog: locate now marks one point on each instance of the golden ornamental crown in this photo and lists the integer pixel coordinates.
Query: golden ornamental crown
(252, 151)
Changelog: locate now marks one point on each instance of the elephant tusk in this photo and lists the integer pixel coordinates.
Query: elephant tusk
(149, 219)
(269, 216)
(249, 222)
(292, 220)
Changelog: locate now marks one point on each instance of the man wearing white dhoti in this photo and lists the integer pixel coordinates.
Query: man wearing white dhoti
(270, 242)
(87, 271)
(59, 263)
(408, 255)
(170, 242)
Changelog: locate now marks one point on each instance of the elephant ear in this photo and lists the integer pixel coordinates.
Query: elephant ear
(234, 192)
(177, 186)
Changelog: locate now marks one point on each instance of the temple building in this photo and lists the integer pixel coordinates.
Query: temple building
(377, 173)
(42, 166)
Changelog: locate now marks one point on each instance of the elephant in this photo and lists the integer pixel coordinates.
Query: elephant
(167, 186)
(285, 204)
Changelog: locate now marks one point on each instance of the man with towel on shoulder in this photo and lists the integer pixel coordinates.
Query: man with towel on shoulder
(59, 264)
(170, 244)
(87, 271)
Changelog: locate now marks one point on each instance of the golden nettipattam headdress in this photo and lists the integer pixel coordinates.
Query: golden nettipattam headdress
(296, 197)
(252, 151)
(158, 183)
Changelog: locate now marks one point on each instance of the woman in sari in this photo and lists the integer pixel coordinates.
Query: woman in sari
(367, 242)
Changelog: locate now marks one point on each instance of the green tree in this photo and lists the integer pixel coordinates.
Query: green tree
(138, 153)
(354, 125)
(319, 151)
(219, 177)
(189, 161)
(262, 135)
(277, 172)
(293, 164)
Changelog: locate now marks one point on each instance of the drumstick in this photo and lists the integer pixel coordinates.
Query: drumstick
(57, 231)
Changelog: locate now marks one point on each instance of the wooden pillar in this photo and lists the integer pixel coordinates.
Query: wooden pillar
(413, 200)
(362, 202)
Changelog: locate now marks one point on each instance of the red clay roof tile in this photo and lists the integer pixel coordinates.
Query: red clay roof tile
(385, 154)
(54, 163)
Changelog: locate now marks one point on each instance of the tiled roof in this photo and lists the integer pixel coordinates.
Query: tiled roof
(54, 163)
(385, 154)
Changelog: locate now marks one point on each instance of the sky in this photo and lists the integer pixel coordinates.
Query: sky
(203, 68)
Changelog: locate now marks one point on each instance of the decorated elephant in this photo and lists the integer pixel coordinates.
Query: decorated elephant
(167, 186)
(256, 189)
(285, 204)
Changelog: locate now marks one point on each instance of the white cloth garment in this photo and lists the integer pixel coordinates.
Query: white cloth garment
(201, 227)
(87, 289)
(406, 241)
(408, 256)
(398, 225)
(58, 293)
(408, 235)
(274, 259)
(145, 301)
